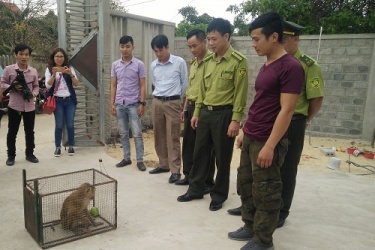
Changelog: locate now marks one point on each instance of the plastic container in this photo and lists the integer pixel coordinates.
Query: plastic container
(351, 150)
(369, 155)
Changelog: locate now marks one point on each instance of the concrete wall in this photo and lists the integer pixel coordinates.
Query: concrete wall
(348, 65)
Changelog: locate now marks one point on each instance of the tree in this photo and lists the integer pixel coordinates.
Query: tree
(335, 16)
(117, 5)
(191, 21)
(31, 24)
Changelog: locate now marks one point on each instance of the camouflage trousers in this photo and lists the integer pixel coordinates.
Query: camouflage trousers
(260, 189)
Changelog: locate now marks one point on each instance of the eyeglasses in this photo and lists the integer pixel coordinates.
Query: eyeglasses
(59, 56)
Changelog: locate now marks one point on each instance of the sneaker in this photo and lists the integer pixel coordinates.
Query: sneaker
(10, 161)
(32, 158)
(251, 245)
(241, 234)
(57, 152)
(123, 163)
(71, 151)
(141, 166)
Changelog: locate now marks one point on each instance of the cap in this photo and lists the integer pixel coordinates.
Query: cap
(292, 29)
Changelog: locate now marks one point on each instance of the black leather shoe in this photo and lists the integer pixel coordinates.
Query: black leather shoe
(32, 158)
(10, 161)
(187, 197)
(123, 163)
(158, 170)
(280, 222)
(182, 182)
(174, 178)
(215, 205)
(235, 211)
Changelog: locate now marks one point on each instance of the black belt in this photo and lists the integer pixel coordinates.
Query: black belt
(214, 108)
(62, 97)
(167, 98)
(299, 117)
(190, 102)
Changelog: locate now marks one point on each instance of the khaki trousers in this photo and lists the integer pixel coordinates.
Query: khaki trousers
(166, 121)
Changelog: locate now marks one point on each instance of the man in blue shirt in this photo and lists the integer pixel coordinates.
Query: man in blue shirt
(169, 77)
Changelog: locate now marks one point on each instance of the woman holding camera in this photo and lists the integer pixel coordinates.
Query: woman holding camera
(60, 79)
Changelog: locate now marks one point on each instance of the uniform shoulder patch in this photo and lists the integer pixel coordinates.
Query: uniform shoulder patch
(307, 60)
(237, 55)
(209, 57)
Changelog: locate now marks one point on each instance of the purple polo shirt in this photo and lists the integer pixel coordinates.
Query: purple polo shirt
(16, 100)
(128, 75)
(285, 75)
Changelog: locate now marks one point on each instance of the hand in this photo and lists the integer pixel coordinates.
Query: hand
(141, 110)
(54, 70)
(68, 71)
(194, 122)
(239, 141)
(113, 110)
(265, 157)
(233, 129)
(182, 115)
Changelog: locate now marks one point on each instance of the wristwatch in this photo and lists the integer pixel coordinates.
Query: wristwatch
(143, 103)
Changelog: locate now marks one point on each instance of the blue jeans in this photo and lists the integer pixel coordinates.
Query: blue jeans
(64, 115)
(127, 117)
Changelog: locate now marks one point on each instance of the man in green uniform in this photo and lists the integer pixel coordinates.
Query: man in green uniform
(219, 108)
(308, 105)
(197, 43)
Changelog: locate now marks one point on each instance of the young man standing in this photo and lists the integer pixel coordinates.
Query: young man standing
(169, 79)
(197, 43)
(220, 106)
(128, 90)
(308, 105)
(264, 143)
(21, 103)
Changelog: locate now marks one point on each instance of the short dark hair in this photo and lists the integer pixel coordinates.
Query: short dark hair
(200, 34)
(21, 47)
(220, 25)
(125, 39)
(270, 22)
(159, 41)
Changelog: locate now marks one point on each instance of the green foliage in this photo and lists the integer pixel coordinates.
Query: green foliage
(335, 16)
(191, 21)
(117, 5)
(29, 26)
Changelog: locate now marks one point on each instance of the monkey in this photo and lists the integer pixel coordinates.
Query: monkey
(74, 213)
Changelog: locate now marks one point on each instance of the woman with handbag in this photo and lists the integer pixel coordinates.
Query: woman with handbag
(60, 79)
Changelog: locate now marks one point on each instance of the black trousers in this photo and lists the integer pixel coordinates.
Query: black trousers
(296, 137)
(212, 134)
(188, 145)
(14, 120)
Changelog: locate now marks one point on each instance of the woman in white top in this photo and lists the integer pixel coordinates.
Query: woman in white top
(59, 74)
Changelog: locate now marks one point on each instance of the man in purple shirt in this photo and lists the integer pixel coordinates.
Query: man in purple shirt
(20, 105)
(128, 90)
(264, 143)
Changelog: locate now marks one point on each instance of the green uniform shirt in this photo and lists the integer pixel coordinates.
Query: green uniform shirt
(225, 82)
(195, 78)
(314, 84)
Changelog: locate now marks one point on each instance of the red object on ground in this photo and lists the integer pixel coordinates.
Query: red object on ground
(350, 150)
(368, 155)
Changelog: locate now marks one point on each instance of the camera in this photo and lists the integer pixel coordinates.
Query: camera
(20, 80)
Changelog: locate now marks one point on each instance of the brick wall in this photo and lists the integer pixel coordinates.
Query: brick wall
(348, 66)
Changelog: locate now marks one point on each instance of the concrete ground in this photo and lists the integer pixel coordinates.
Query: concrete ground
(331, 210)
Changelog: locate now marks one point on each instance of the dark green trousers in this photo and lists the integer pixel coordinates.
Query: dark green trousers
(188, 145)
(212, 134)
(260, 189)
